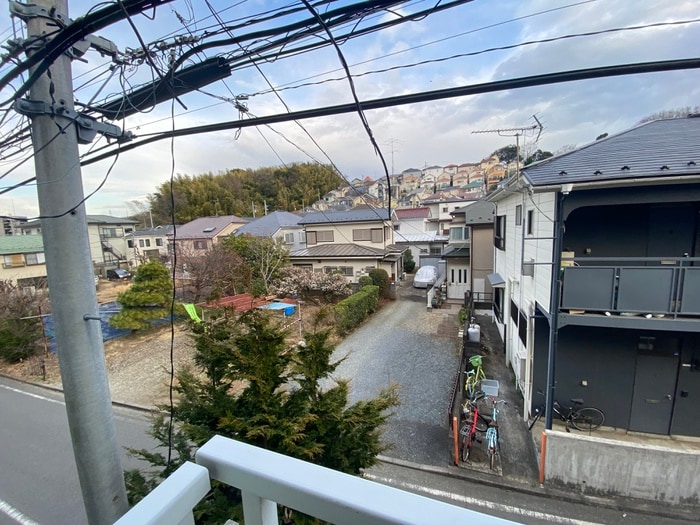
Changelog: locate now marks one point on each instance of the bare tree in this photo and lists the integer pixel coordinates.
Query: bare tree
(212, 274)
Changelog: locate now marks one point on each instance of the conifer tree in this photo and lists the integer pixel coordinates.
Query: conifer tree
(147, 299)
(250, 385)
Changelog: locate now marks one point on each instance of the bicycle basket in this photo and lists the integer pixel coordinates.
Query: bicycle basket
(475, 360)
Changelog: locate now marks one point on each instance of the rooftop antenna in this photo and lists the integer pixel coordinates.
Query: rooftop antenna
(517, 133)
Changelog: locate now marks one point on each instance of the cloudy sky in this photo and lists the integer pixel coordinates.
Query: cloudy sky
(446, 49)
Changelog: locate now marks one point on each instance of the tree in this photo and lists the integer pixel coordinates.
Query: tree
(671, 113)
(507, 154)
(538, 156)
(381, 279)
(264, 256)
(20, 328)
(214, 274)
(310, 285)
(408, 263)
(147, 299)
(279, 405)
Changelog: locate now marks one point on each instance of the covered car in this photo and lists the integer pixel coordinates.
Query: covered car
(118, 274)
(425, 277)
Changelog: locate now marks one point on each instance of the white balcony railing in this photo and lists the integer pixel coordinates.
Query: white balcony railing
(267, 478)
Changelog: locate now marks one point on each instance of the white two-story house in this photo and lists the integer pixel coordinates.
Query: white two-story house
(351, 242)
(597, 277)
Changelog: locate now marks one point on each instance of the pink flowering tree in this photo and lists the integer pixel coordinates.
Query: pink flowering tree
(310, 285)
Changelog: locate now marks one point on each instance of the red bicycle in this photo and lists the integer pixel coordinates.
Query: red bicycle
(473, 421)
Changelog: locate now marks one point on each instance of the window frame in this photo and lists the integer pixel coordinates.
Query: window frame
(499, 232)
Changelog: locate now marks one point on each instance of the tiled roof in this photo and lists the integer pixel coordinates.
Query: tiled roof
(12, 244)
(207, 227)
(352, 215)
(269, 224)
(661, 148)
(339, 250)
(419, 237)
(412, 213)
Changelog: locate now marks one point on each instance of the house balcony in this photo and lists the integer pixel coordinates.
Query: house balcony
(641, 293)
(268, 479)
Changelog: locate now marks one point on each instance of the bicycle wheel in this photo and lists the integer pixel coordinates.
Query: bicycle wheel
(482, 424)
(466, 448)
(587, 418)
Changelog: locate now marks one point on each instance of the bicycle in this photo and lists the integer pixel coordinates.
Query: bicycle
(474, 376)
(583, 418)
(473, 422)
(492, 438)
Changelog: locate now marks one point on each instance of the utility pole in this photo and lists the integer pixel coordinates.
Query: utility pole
(73, 296)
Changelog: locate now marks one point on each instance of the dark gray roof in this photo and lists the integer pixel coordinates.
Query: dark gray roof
(353, 215)
(451, 252)
(152, 232)
(339, 250)
(480, 212)
(661, 148)
(269, 224)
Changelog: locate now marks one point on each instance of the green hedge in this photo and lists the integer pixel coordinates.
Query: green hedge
(351, 311)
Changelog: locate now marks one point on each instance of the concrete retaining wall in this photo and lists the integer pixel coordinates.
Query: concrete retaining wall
(593, 465)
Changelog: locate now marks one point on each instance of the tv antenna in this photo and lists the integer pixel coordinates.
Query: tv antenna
(517, 133)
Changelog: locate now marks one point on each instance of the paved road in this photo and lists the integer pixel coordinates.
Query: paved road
(39, 480)
(406, 344)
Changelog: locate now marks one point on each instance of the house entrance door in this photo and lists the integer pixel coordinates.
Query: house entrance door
(654, 391)
(457, 281)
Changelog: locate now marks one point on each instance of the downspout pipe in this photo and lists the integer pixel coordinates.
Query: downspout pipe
(554, 300)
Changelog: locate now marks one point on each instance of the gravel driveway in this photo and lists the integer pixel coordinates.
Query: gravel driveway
(406, 344)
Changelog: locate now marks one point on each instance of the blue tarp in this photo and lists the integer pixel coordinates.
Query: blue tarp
(288, 308)
(105, 311)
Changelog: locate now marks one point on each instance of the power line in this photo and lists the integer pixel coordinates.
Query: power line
(425, 96)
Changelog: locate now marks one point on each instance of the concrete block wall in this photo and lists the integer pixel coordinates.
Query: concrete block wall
(599, 466)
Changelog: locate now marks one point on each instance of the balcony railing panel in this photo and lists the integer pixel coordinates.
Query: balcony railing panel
(690, 293)
(645, 289)
(588, 288)
(669, 286)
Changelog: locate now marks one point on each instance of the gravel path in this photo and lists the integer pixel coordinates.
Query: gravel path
(419, 350)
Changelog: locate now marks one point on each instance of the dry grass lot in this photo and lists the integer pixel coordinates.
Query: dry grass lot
(138, 365)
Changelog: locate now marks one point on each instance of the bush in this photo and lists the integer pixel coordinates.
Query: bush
(351, 311)
(380, 279)
(365, 280)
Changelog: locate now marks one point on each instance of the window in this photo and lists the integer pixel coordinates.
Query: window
(456, 234)
(148, 243)
(289, 238)
(130, 243)
(311, 238)
(330, 269)
(518, 215)
(396, 227)
(141, 243)
(324, 235)
(13, 261)
(159, 241)
(346, 270)
(499, 239)
(200, 245)
(498, 303)
(362, 235)
(435, 249)
(34, 258)
(302, 237)
(530, 221)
